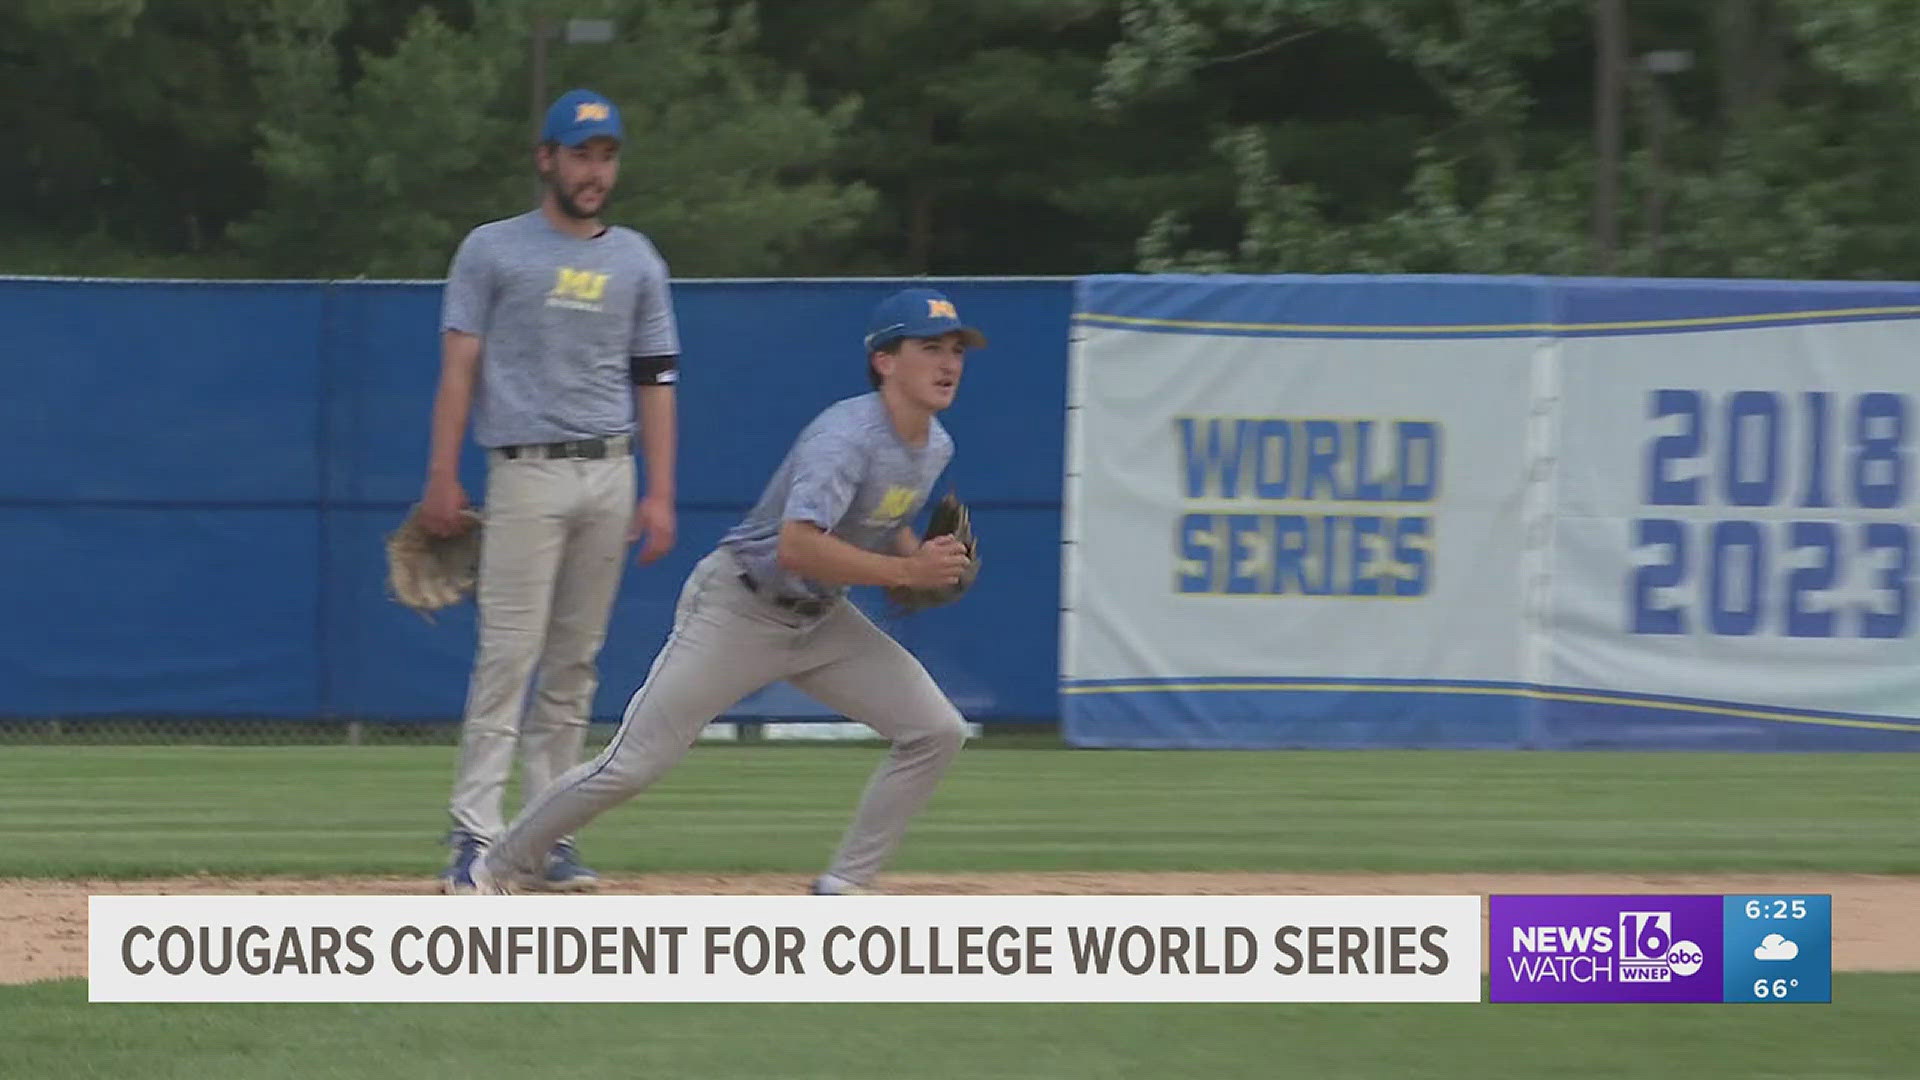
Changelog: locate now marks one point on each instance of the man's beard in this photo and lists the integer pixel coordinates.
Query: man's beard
(567, 206)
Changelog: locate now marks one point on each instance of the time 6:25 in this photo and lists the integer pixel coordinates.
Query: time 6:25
(1780, 908)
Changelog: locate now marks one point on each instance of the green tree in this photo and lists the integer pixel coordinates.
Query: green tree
(1789, 152)
(815, 137)
(1785, 150)
(978, 129)
(728, 165)
(379, 175)
(371, 179)
(1471, 201)
(128, 123)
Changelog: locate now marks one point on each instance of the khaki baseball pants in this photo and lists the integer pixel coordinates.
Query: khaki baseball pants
(551, 558)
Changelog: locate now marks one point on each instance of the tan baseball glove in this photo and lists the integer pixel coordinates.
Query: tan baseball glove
(427, 572)
(949, 517)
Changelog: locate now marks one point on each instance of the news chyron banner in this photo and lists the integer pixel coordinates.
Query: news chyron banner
(1735, 503)
(785, 948)
(1696, 949)
(1295, 511)
(1442, 511)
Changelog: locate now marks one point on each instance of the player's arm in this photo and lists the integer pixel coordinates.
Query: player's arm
(443, 499)
(656, 406)
(654, 365)
(453, 402)
(827, 469)
(464, 311)
(654, 346)
(825, 484)
(812, 552)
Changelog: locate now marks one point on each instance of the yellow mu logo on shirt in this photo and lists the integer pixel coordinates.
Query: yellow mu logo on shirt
(581, 290)
(894, 506)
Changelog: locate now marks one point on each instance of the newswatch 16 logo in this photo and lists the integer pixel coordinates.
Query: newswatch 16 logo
(1648, 952)
(1605, 948)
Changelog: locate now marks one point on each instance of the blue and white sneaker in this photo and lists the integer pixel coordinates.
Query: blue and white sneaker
(565, 872)
(457, 878)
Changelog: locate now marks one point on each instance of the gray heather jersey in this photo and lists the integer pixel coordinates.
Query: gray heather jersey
(558, 318)
(849, 473)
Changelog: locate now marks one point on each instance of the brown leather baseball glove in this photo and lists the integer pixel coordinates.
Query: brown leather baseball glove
(949, 518)
(426, 572)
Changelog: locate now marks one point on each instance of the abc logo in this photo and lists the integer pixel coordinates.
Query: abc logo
(1685, 958)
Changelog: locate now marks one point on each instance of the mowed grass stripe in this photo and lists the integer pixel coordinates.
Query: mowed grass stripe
(48, 1030)
(136, 811)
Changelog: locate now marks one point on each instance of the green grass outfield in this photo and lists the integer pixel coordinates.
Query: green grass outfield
(102, 811)
(137, 811)
(49, 1031)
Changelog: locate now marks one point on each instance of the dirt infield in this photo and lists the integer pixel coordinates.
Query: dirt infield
(43, 924)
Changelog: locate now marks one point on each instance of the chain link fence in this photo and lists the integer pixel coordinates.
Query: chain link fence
(276, 731)
(237, 731)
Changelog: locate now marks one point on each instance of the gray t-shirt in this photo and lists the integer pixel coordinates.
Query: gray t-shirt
(558, 318)
(851, 474)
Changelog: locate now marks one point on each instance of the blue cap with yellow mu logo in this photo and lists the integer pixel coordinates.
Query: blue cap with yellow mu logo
(918, 313)
(579, 115)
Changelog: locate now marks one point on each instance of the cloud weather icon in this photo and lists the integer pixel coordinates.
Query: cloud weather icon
(1775, 947)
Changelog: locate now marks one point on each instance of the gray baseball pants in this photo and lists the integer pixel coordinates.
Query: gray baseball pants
(726, 643)
(551, 558)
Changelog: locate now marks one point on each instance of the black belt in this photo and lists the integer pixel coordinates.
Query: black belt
(584, 449)
(811, 606)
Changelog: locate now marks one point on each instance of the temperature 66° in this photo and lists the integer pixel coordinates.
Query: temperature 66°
(1776, 989)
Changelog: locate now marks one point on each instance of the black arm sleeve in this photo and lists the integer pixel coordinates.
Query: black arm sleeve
(654, 370)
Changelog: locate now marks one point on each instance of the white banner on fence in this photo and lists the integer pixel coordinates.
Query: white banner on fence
(1735, 518)
(784, 948)
(1257, 522)
(1358, 511)
(1258, 506)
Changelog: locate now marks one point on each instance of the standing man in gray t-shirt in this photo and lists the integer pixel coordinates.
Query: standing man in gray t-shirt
(558, 334)
(769, 604)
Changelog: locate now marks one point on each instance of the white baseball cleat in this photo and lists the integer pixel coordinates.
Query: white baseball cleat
(829, 885)
(484, 881)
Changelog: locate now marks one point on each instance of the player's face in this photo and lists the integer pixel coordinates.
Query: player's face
(581, 177)
(927, 370)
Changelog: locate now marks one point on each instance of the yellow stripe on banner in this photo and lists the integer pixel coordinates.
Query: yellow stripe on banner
(1509, 328)
(1570, 696)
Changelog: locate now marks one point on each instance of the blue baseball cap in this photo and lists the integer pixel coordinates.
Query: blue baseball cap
(918, 313)
(579, 115)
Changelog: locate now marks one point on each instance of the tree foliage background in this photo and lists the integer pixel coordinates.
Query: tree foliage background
(344, 138)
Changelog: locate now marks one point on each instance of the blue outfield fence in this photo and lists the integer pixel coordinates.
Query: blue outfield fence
(202, 474)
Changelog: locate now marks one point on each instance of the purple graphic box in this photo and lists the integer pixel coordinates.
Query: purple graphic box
(1628, 948)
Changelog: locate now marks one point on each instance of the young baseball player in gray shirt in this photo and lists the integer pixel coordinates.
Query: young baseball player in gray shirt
(769, 603)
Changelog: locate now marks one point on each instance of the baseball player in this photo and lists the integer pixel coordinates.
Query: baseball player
(558, 332)
(768, 603)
